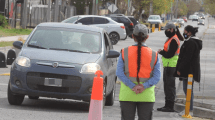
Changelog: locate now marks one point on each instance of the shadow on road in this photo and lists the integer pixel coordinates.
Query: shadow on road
(48, 105)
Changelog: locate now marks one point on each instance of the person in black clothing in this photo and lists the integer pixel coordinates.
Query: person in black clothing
(189, 59)
(169, 57)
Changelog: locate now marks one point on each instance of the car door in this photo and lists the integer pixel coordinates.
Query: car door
(109, 63)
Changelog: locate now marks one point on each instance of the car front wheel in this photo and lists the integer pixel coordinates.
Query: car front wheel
(114, 37)
(111, 97)
(14, 99)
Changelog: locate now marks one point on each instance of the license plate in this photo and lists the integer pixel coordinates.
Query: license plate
(53, 82)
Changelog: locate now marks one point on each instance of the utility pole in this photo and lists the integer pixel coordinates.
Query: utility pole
(116, 2)
(176, 14)
(151, 8)
(93, 10)
(56, 11)
(49, 11)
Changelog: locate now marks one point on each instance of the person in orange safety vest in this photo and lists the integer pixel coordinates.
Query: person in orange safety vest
(169, 58)
(138, 69)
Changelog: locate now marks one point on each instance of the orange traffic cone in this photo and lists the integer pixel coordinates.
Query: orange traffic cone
(96, 102)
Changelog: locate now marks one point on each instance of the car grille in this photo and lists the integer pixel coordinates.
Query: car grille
(70, 84)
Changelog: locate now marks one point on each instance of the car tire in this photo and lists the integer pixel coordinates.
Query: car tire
(104, 94)
(33, 97)
(111, 97)
(14, 99)
(114, 38)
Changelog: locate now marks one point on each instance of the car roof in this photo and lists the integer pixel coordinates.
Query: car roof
(71, 26)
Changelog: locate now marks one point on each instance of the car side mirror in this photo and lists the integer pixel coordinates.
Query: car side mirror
(18, 44)
(113, 54)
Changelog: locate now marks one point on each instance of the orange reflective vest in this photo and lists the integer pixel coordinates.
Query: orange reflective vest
(171, 62)
(148, 61)
(167, 44)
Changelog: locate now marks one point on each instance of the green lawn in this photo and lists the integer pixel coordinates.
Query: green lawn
(4, 44)
(14, 32)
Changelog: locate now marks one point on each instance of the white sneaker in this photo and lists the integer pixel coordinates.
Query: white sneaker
(182, 113)
(191, 113)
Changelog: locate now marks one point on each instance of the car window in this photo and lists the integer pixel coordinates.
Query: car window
(70, 20)
(60, 38)
(133, 20)
(107, 45)
(109, 41)
(97, 20)
(154, 17)
(115, 19)
(124, 20)
(85, 21)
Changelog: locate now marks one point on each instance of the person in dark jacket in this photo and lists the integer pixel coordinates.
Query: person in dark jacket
(189, 59)
(170, 57)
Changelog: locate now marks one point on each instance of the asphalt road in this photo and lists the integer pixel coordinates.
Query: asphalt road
(55, 109)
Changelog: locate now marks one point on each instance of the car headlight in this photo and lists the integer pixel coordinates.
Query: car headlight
(23, 61)
(90, 68)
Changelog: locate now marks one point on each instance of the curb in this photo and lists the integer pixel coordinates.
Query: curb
(202, 110)
(197, 111)
(5, 74)
(197, 104)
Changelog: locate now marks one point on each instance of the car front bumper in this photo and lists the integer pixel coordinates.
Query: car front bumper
(74, 84)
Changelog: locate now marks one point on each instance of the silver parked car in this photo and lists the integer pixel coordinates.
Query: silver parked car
(59, 60)
(115, 30)
(181, 21)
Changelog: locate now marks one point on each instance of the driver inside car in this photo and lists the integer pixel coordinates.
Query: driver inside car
(88, 41)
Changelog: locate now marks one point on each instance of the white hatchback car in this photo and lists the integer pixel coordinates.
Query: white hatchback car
(116, 31)
(154, 19)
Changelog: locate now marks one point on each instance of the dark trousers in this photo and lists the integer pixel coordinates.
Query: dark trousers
(144, 110)
(185, 80)
(169, 86)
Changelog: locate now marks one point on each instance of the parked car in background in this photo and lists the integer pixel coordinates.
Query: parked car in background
(201, 22)
(59, 60)
(120, 18)
(202, 16)
(195, 18)
(135, 22)
(185, 19)
(115, 30)
(181, 22)
(175, 22)
(154, 19)
(190, 17)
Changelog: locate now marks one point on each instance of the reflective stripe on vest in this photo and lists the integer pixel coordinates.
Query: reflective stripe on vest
(131, 72)
(167, 44)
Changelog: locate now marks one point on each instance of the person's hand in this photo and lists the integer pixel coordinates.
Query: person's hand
(141, 89)
(159, 51)
(138, 89)
(178, 73)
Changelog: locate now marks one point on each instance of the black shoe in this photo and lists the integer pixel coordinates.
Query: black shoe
(167, 109)
(160, 109)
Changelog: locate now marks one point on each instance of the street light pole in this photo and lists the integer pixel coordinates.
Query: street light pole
(176, 14)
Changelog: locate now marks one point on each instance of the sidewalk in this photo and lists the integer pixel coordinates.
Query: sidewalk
(204, 100)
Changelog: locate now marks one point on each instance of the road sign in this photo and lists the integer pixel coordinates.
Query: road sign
(112, 8)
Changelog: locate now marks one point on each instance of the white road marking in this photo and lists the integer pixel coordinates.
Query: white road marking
(3, 84)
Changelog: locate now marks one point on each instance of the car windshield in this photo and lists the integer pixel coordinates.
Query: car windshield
(174, 20)
(66, 39)
(200, 20)
(71, 20)
(153, 17)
